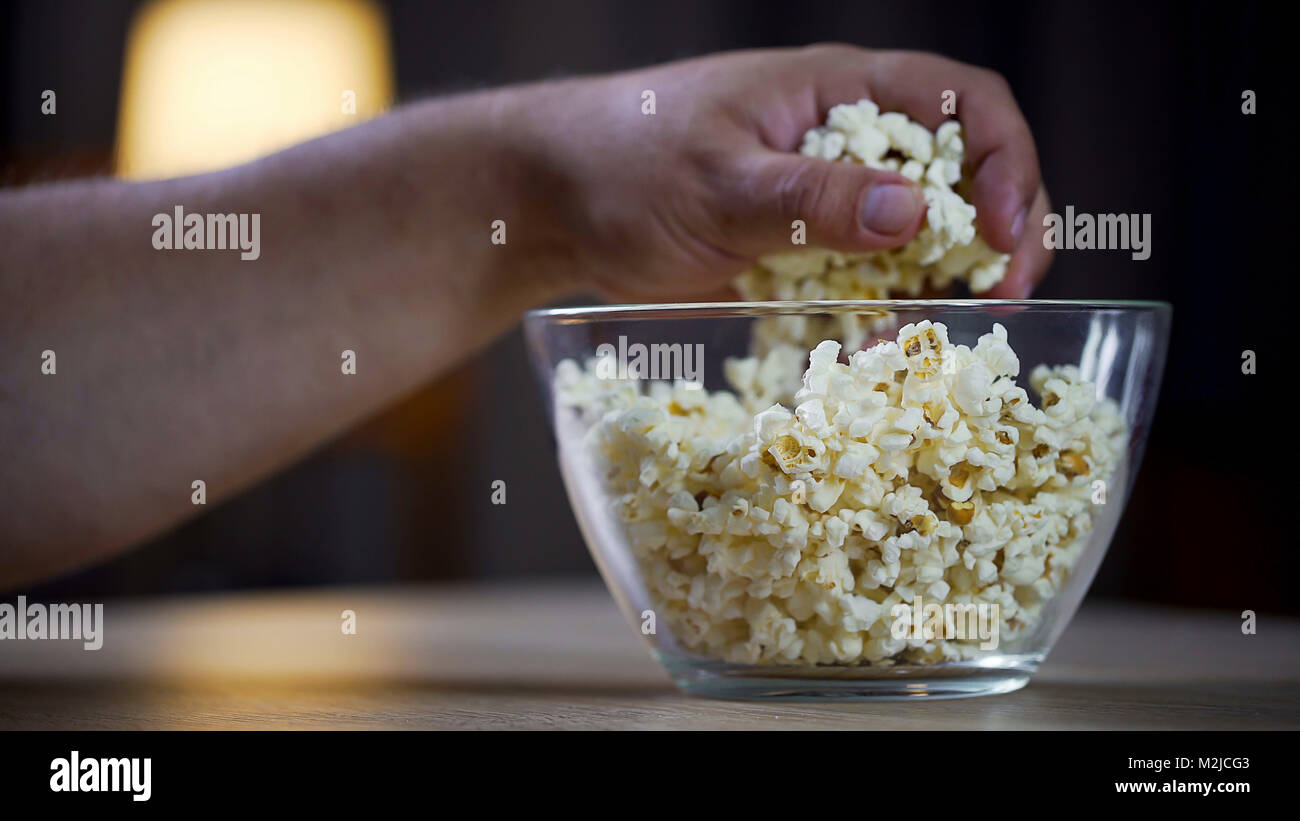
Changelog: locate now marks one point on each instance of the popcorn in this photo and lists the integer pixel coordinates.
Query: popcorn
(784, 532)
(782, 522)
(946, 249)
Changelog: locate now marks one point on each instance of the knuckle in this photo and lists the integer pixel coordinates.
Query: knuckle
(994, 80)
(832, 52)
(793, 192)
(834, 49)
(906, 62)
(802, 193)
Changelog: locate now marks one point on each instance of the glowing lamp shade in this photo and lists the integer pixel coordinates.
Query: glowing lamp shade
(213, 83)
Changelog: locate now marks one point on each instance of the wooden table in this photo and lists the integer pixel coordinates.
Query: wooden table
(559, 656)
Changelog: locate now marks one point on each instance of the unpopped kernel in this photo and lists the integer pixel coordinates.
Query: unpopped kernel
(781, 524)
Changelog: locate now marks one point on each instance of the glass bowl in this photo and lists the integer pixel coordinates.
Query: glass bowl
(925, 535)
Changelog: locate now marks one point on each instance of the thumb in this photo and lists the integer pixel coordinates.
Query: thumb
(845, 206)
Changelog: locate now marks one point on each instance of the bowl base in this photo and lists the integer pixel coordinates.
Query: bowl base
(988, 677)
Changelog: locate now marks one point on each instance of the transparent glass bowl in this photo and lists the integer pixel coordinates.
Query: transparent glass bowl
(1118, 346)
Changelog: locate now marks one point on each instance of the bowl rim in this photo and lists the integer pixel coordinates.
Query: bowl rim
(725, 309)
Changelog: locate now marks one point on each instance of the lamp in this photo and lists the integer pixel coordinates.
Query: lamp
(213, 83)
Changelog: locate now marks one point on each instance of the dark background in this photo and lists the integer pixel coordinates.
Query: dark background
(1136, 108)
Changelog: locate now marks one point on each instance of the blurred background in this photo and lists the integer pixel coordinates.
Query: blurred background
(1136, 108)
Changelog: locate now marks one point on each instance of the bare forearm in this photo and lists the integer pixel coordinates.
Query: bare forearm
(176, 365)
(183, 365)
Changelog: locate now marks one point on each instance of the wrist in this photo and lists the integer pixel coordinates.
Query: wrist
(530, 188)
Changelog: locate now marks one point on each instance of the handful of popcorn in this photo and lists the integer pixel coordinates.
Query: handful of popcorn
(787, 533)
(946, 249)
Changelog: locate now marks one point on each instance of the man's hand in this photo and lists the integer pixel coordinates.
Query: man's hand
(176, 365)
(674, 204)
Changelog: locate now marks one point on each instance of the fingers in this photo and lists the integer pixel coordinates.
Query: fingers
(848, 207)
(999, 146)
(1030, 260)
(843, 206)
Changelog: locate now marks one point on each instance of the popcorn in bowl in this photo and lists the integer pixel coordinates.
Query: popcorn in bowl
(788, 533)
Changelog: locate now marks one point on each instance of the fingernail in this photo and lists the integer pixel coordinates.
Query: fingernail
(889, 209)
(1018, 225)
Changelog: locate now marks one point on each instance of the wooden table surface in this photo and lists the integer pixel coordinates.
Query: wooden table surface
(559, 656)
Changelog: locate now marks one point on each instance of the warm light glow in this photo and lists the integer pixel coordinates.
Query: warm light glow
(213, 83)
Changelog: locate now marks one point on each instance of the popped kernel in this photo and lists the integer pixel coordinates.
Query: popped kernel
(784, 533)
(948, 248)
